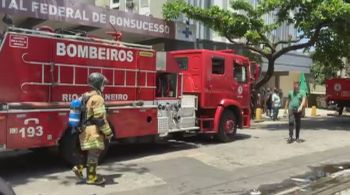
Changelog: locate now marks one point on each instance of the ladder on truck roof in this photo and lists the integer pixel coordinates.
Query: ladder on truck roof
(77, 37)
(50, 68)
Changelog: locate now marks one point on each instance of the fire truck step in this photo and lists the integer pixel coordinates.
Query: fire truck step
(206, 124)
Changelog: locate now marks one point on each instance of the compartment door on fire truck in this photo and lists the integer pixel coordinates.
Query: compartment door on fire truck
(240, 75)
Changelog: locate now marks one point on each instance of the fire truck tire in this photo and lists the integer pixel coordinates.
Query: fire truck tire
(5, 188)
(178, 135)
(227, 126)
(69, 148)
(340, 109)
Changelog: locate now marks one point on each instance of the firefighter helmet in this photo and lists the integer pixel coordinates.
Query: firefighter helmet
(97, 81)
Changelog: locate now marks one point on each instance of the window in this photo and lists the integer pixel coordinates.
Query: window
(144, 7)
(166, 85)
(144, 3)
(218, 65)
(182, 62)
(252, 70)
(240, 73)
(114, 4)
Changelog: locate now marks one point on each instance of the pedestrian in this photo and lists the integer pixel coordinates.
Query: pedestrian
(262, 100)
(95, 129)
(268, 100)
(295, 103)
(258, 101)
(276, 104)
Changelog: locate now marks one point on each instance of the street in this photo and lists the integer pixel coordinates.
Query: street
(259, 156)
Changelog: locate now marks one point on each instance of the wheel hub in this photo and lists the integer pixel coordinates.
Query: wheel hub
(229, 126)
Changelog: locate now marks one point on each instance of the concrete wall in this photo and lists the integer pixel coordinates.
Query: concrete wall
(297, 62)
(101, 3)
(283, 81)
(156, 8)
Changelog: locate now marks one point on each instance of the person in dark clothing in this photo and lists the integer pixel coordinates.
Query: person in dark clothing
(268, 100)
(295, 103)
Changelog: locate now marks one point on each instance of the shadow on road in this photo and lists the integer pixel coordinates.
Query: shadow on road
(21, 167)
(122, 152)
(110, 180)
(338, 123)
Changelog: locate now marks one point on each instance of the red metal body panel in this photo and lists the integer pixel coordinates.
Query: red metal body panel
(3, 119)
(35, 129)
(338, 90)
(217, 117)
(37, 66)
(140, 122)
(48, 69)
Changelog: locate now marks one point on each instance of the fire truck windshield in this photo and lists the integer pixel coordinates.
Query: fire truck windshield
(240, 73)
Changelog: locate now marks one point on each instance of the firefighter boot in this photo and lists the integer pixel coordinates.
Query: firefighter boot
(92, 177)
(78, 171)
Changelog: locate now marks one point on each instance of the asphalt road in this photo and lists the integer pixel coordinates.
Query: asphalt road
(259, 156)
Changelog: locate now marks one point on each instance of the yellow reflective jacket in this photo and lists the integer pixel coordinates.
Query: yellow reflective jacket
(92, 137)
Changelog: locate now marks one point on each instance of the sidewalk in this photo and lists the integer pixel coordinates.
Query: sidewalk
(283, 118)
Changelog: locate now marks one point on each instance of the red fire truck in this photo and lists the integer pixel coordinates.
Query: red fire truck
(189, 91)
(338, 93)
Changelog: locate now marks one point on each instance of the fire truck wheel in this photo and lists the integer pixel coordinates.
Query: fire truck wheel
(178, 135)
(5, 188)
(340, 110)
(227, 126)
(70, 149)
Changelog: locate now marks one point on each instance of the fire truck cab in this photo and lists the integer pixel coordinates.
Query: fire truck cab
(216, 85)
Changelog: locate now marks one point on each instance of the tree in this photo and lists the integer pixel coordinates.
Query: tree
(331, 55)
(311, 18)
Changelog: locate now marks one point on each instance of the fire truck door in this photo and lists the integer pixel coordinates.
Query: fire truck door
(216, 83)
(240, 74)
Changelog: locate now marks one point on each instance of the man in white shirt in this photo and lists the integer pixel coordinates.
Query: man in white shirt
(276, 103)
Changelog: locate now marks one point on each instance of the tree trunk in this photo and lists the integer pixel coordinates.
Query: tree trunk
(268, 75)
(257, 85)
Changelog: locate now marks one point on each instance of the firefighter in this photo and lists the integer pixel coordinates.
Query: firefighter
(95, 129)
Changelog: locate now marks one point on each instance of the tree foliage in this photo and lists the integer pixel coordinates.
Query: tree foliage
(331, 55)
(313, 19)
